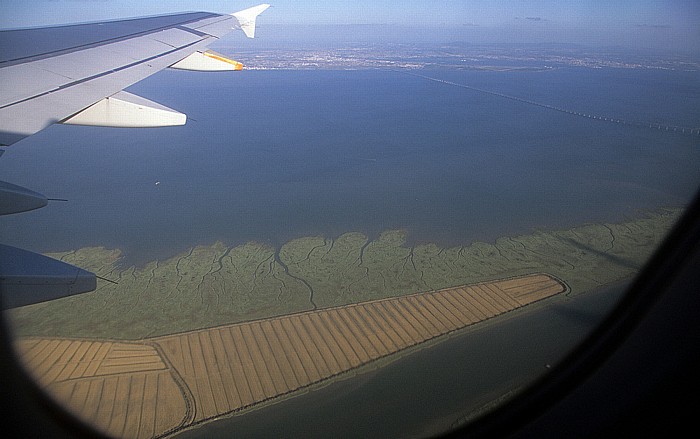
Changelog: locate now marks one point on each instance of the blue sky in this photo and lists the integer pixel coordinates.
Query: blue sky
(658, 23)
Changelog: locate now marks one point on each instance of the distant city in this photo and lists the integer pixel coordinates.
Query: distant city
(456, 55)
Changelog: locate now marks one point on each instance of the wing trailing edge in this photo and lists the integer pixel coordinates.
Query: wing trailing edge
(27, 278)
(207, 61)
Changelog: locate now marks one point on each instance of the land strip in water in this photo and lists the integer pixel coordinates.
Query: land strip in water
(161, 385)
(215, 284)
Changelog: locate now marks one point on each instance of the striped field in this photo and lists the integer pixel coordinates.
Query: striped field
(157, 386)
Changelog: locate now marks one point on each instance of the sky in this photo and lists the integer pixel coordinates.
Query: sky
(663, 24)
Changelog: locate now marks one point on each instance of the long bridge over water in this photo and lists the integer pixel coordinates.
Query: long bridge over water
(653, 125)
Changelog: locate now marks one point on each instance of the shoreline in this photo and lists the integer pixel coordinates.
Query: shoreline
(353, 389)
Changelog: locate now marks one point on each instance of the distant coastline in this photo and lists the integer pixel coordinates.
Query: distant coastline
(456, 55)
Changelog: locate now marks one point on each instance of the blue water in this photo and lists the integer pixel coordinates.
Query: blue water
(274, 155)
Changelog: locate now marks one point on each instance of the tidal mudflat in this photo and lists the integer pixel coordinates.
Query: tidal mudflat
(211, 285)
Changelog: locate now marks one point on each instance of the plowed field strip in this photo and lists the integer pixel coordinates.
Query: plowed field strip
(339, 333)
(102, 351)
(141, 359)
(63, 365)
(123, 348)
(311, 368)
(424, 328)
(407, 331)
(450, 308)
(523, 282)
(35, 349)
(106, 402)
(498, 305)
(505, 297)
(202, 386)
(147, 424)
(467, 301)
(327, 340)
(121, 398)
(324, 352)
(259, 363)
(79, 395)
(379, 340)
(115, 353)
(170, 407)
(215, 381)
(445, 315)
(88, 357)
(135, 407)
(92, 401)
(374, 317)
(479, 308)
(54, 352)
(350, 332)
(222, 360)
(367, 350)
(250, 375)
(298, 331)
(430, 313)
(297, 374)
(128, 368)
(280, 356)
(270, 360)
(63, 361)
(524, 289)
(235, 366)
(78, 360)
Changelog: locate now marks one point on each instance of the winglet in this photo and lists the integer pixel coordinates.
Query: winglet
(246, 19)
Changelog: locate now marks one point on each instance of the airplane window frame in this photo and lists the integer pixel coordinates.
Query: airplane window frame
(27, 408)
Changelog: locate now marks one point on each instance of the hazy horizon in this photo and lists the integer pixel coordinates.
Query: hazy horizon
(669, 25)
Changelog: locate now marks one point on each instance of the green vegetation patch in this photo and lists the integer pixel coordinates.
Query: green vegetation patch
(217, 284)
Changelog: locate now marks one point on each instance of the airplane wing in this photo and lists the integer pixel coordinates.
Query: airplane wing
(76, 74)
(58, 74)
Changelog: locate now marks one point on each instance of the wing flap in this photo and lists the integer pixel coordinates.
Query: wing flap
(126, 110)
(208, 61)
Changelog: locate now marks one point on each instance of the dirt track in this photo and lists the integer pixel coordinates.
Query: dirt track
(159, 385)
